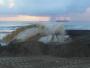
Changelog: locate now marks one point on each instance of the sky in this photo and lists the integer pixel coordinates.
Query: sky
(77, 10)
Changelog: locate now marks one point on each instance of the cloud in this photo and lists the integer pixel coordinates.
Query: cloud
(84, 16)
(42, 7)
(25, 18)
(35, 7)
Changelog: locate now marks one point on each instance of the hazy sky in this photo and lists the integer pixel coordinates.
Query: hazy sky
(72, 8)
(44, 7)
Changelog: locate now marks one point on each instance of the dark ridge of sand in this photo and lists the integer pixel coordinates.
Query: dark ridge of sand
(76, 33)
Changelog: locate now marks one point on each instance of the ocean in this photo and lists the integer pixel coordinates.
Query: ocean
(7, 27)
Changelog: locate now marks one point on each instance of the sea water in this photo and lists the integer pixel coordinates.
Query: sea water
(5, 27)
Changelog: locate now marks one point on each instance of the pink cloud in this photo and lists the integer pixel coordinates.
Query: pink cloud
(25, 18)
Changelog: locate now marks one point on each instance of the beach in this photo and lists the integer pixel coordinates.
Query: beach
(39, 55)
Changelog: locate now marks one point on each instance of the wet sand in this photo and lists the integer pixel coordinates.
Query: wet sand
(44, 62)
